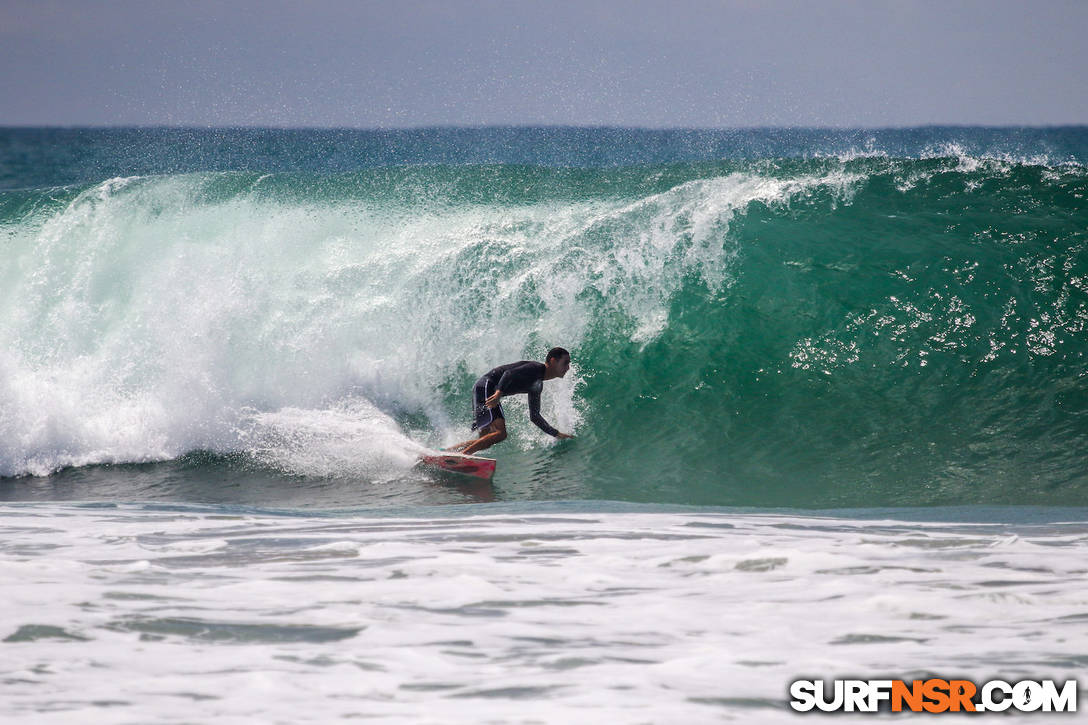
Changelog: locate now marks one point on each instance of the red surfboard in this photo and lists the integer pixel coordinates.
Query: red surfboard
(460, 463)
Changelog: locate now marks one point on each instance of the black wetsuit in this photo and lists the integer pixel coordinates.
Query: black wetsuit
(525, 376)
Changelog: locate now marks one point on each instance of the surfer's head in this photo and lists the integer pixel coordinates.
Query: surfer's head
(557, 362)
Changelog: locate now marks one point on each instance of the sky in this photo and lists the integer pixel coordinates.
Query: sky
(673, 63)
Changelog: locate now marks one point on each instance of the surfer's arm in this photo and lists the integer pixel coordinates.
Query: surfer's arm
(492, 400)
(504, 381)
(538, 419)
(507, 379)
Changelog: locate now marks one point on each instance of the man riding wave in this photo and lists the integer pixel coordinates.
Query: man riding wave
(524, 377)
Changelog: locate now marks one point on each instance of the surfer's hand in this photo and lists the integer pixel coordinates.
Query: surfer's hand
(563, 436)
(493, 399)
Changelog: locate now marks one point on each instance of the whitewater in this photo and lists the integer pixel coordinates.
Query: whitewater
(828, 395)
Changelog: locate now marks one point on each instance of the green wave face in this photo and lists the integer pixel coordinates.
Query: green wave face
(813, 331)
(916, 339)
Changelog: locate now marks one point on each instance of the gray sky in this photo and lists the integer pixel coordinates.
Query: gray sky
(591, 62)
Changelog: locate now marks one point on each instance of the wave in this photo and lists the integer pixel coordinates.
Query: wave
(857, 329)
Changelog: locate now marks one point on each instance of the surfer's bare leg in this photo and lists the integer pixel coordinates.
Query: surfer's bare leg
(492, 434)
(486, 430)
(460, 447)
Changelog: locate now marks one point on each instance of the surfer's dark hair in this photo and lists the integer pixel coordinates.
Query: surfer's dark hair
(557, 353)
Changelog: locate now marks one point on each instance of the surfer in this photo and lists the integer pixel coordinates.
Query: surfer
(526, 376)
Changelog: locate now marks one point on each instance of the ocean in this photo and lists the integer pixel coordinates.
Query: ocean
(828, 395)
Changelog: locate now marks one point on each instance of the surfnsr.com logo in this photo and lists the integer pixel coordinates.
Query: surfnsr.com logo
(933, 695)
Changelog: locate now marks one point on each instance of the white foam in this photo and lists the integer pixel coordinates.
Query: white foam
(351, 440)
(182, 617)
